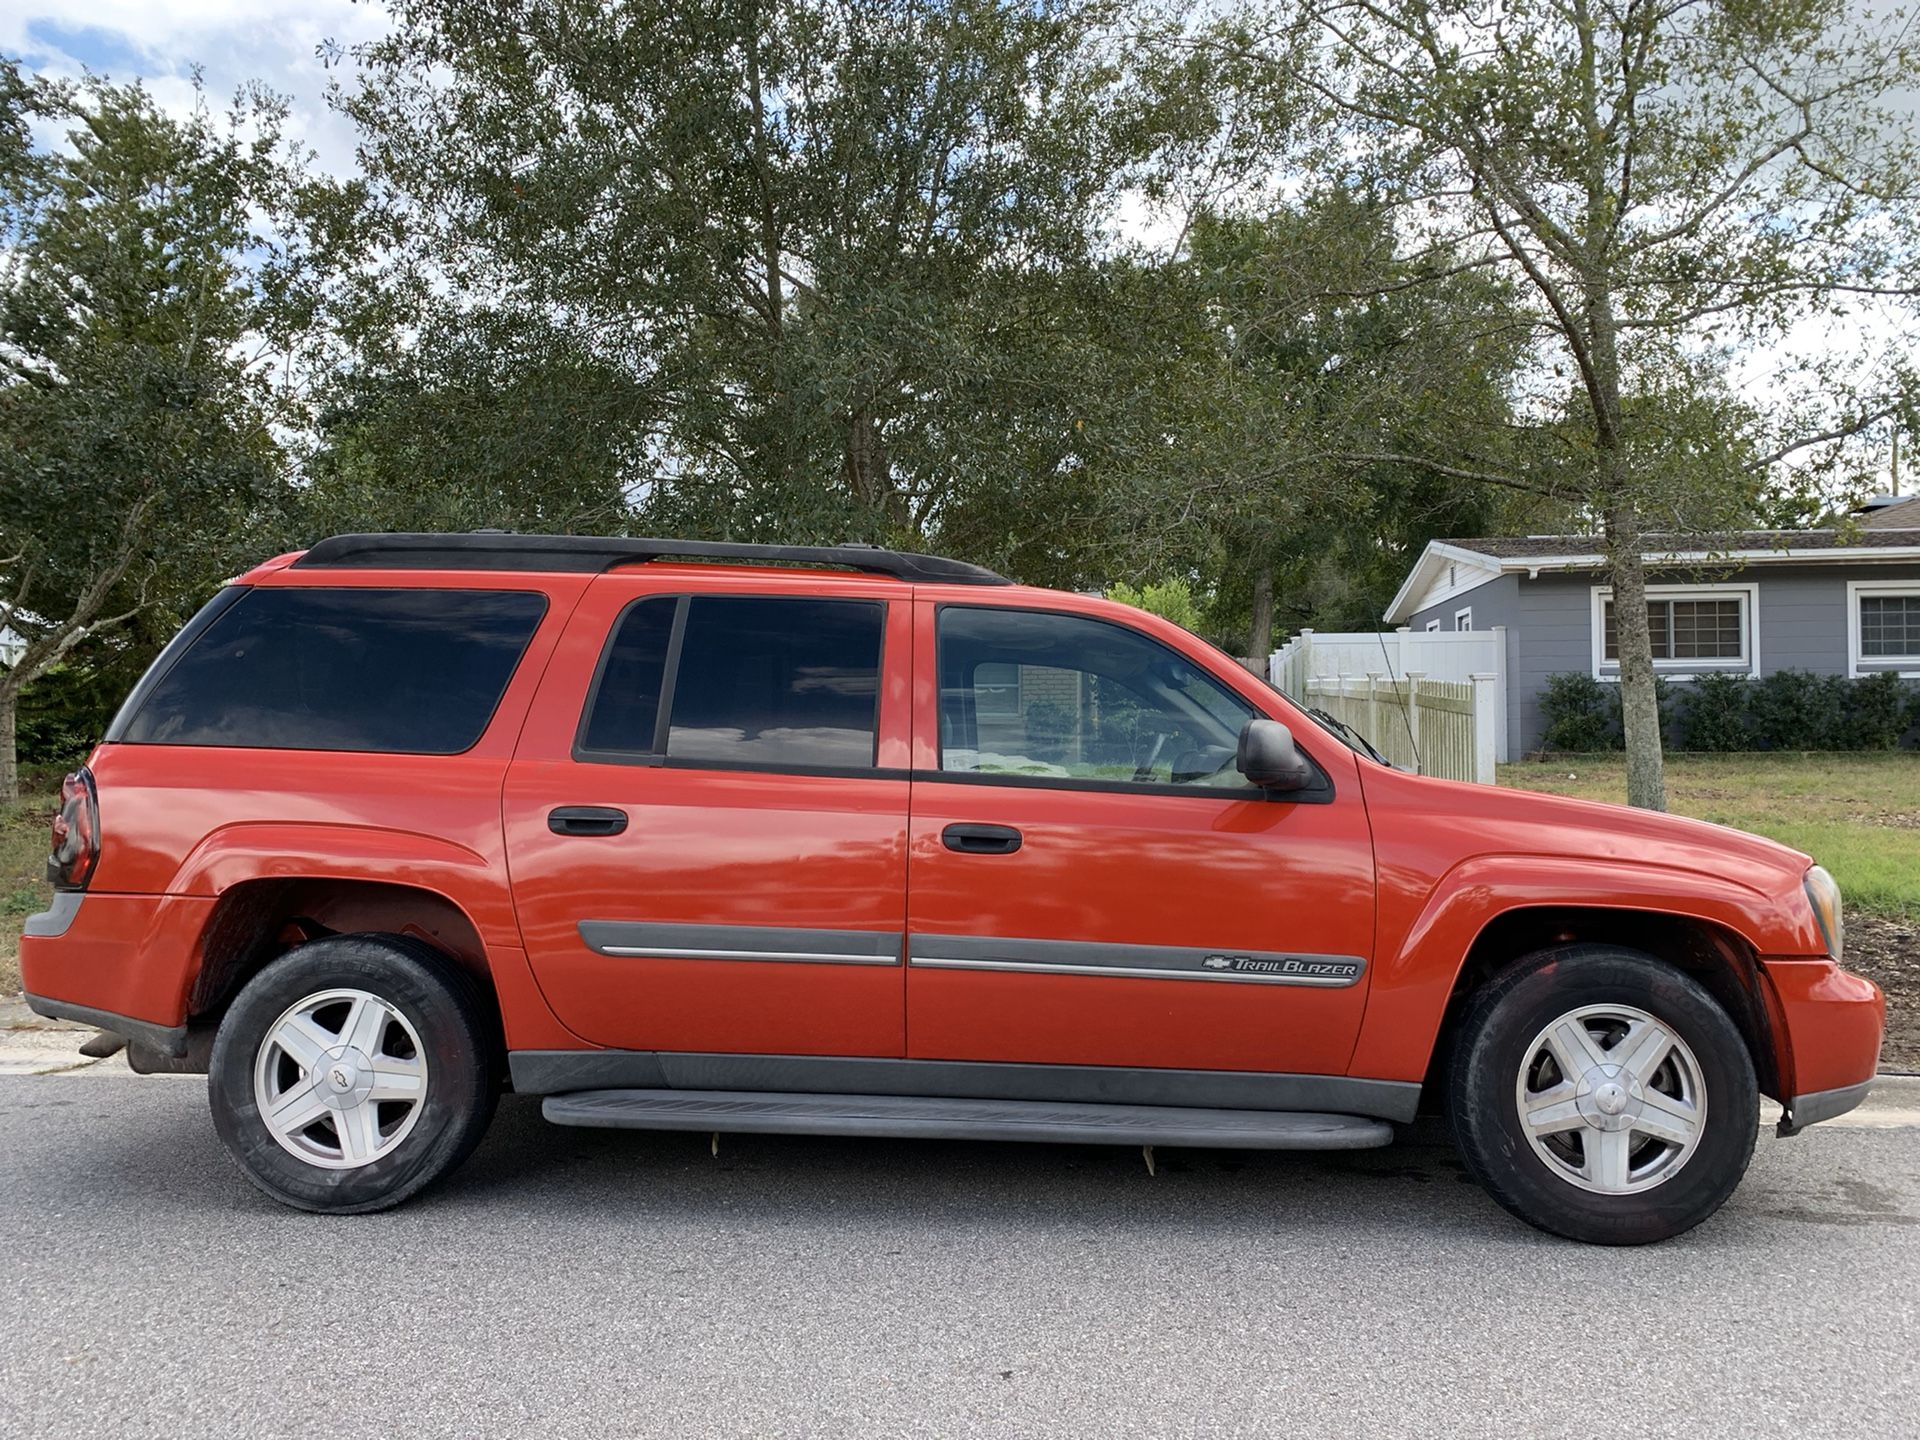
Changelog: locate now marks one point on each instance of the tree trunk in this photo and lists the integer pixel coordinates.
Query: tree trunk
(9, 760)
(1639, 699)
(870, 478)
(1260, 641)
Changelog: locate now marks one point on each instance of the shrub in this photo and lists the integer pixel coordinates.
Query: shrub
(1798, 710)
(1877, 712)
(1169, 599)
(1581, 713)
(1716, 713)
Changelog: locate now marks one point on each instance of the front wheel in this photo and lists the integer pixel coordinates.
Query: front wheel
(1603, 1096)
(351, 1072)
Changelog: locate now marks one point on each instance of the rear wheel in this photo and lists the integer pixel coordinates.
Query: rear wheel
(351, 1072)
(1603, 1096)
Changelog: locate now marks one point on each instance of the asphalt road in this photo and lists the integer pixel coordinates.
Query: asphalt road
(596, 1283)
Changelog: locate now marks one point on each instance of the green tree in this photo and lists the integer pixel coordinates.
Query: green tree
(846, 250)
(137, 305)
(1666, 184)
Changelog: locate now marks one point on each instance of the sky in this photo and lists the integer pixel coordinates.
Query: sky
(159, 42)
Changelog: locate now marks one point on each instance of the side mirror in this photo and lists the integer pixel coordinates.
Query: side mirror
(1269, 758)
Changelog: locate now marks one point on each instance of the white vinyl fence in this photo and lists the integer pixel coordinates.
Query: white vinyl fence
(1433, 701)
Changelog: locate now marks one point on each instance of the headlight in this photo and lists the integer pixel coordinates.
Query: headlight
(1824, 896)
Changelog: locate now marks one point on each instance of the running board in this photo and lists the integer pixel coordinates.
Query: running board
(916, 1117)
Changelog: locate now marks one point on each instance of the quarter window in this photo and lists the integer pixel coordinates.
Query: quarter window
(1051, 696)
(412, 672)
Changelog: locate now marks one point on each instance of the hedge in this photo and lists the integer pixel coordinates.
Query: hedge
(1787, 710)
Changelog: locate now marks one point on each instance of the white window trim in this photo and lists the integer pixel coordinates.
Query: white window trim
(1466, 612)
(1433, 627)
(1908, 666)
(1747, 664)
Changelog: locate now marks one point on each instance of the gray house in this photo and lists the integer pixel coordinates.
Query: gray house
(1836, 602)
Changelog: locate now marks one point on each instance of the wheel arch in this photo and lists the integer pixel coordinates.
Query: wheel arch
(256, 920)
(1721, 960)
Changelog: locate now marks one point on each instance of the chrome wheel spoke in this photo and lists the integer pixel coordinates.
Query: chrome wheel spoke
(366, 1025)
(397, 1080)
(1640, 1054)
(1664, 1118)
(1552, 1111)
(302, 1038)
(1574, 1050)
(298, 1106)
(359, 1132)
(1607, 1152)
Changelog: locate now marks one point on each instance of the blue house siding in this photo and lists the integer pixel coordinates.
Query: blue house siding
(1802, 624)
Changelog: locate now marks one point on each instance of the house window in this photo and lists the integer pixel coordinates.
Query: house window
(1884, 620)
(1463, 619)
(1889, 626)
(1433, 627)
(1697, 626)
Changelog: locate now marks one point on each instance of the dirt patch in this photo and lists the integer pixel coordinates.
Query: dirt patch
(1887, 952)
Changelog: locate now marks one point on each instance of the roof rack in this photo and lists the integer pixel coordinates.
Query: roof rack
(505, 550)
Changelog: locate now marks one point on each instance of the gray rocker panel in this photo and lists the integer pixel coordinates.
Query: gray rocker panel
(915, 1117)
(550, 1072)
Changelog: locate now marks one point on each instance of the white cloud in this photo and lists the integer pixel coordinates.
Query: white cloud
(159, 42)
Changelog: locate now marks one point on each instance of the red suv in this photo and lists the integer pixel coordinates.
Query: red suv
(893, 848)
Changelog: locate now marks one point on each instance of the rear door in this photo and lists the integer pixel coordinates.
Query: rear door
(1092, 882)
(706, 816)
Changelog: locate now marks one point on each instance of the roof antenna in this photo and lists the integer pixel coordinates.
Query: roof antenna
(1405, 719)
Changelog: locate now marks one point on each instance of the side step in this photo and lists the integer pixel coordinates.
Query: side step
(915, 1117)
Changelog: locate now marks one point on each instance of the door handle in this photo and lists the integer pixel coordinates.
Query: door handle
(586, 820)
(981, 839)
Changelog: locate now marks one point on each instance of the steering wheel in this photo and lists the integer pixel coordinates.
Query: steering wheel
(1145, 771)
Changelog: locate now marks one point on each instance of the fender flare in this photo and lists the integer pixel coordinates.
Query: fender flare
(1420, 964)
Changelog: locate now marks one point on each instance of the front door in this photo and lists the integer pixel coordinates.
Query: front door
(1092, 883)
(706, 816)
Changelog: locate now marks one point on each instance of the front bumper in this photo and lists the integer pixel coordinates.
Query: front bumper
(1827, 1026)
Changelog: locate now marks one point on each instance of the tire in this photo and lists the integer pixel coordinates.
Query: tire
(1688, 1112)
(419, 1087)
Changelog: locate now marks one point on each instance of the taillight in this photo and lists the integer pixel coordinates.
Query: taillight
(76, 833)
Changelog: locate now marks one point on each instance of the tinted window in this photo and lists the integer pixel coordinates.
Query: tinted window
(626, 701)
(409, 671)
(1025, 692)
(782, 683)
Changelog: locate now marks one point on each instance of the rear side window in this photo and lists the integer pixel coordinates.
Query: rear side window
(782, 684)
(414, 672)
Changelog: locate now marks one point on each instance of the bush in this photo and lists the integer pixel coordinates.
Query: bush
(64, 713)
(1715, 715)
(1877, 712)
(1169, 599)
(1581, 713)
(1798, 710)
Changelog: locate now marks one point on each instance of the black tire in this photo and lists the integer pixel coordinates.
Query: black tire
(1484, 1109)
(457, 1041)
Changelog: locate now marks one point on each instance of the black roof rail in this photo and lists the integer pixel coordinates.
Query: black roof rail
(505, 550)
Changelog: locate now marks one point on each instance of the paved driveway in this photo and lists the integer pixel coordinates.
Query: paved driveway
(591, 1283)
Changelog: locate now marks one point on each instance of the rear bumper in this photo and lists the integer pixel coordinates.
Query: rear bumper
(1828, 1024)
(120, 962)
(167, 1039)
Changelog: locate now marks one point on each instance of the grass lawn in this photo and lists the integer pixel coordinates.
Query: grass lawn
(1858, 815)
(23, 867)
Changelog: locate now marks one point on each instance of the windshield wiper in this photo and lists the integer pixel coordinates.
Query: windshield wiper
(1353, 736)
